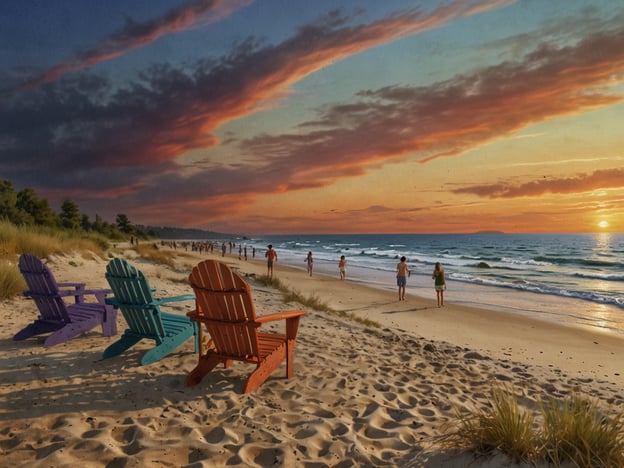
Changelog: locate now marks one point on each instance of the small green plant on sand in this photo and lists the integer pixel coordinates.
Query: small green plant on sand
(572, 431)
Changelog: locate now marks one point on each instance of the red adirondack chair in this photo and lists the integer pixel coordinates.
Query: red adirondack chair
(65, 321)
(225, 307)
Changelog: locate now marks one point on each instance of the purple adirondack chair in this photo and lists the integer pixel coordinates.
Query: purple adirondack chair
(65, 321)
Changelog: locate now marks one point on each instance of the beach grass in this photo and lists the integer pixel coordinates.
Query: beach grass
(573, 430)
(505, 427)
(42, 242)
(11, 281)
(152, 253)
(576, 430)
(45, 241)
(312, 301)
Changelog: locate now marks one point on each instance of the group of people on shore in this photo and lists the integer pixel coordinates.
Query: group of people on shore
(402, 273)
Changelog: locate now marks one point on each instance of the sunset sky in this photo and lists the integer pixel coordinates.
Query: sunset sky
(293, 116)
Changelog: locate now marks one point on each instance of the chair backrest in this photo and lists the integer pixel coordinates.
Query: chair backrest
(225, 307)
(43, 288)
(133, 295)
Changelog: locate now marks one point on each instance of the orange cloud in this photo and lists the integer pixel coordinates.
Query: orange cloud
(448, 118)
(139, 132)
(601, 179)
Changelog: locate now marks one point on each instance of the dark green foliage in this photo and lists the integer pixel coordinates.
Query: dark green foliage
(35, 210)
(70, 215)
(26, 208)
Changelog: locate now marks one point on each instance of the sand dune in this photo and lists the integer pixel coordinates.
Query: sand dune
(360, 396)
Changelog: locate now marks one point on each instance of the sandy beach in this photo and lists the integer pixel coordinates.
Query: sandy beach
(361, 396)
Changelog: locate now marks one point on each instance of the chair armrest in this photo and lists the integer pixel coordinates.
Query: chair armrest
(292, 318)
(71, 285)
(111, 301)
(185, 297)
(285, 315)
(79, 293)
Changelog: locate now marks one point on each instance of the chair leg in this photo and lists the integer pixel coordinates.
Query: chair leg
(265, 369)
(166, 347)
(36, 328)
(109, 325)
(206, 364)
(290, 357)
(125, 342)
(197, 337)
(157, 353)
(70, 331)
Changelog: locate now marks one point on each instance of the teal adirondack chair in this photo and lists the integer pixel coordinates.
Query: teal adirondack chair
(141, 310)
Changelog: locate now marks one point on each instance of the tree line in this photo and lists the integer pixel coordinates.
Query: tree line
(25, 207)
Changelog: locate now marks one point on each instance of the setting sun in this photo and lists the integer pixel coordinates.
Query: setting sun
(603, 224)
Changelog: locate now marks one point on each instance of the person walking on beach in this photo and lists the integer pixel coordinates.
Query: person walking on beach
(440, 283)
(310, 263)
(271, 256)
(342, 267)
(403, 272)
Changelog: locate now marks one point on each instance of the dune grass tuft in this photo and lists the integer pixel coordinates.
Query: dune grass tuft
(576, 430)
(505, 427)
(573, 431)
(42, 242)
(152, 253)
(11, 281)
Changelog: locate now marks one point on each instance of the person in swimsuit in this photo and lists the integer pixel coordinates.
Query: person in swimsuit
(402, 273)
(342, 267)
(440, 283)
(271, 256)
(310, 263)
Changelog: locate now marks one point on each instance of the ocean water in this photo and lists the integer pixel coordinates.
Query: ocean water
(566, 278)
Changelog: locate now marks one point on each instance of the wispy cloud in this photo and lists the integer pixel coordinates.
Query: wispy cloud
(129, 141)
(565, 162)
(601, 179)
(138, 34)
(446, 119)
(87, 127)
